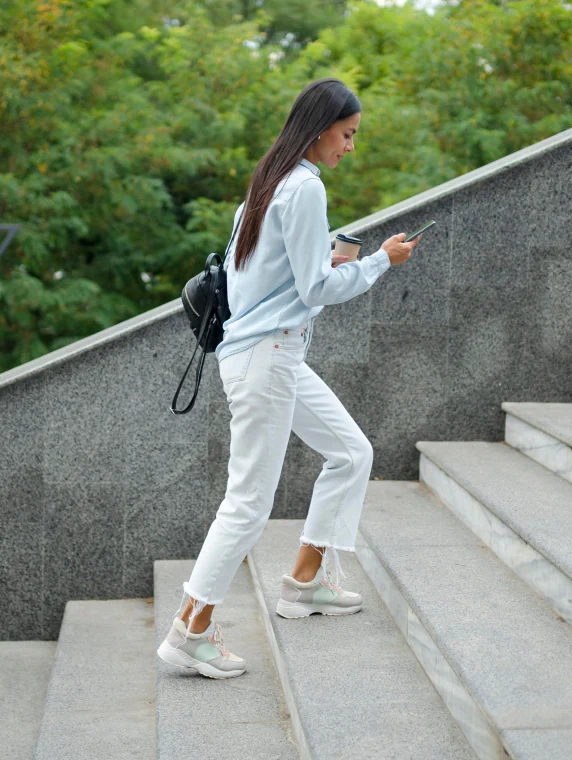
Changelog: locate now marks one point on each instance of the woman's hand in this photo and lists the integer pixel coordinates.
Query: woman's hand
(398, 251)
(337, 258)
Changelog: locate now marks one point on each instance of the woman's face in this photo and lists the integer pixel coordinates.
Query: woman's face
(336, 141)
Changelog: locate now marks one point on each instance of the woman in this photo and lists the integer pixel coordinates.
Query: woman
(280, 275)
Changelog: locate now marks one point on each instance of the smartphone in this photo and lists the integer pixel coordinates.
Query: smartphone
(426, 227)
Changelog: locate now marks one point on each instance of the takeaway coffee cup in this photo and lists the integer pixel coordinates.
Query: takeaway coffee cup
(346, 245)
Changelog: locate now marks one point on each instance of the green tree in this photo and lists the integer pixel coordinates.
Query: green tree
(130, 130)
(441, 95)
(123, 157)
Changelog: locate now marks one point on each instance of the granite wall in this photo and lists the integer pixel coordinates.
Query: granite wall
(99, 479)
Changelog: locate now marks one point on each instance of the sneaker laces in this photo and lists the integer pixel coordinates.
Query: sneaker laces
(327, 576)
(216, 639)
(328, 582)
(327, 579)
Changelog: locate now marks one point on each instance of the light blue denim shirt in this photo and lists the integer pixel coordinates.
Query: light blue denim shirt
(290, 277)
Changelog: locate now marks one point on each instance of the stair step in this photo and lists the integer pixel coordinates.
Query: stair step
(353, 686)
(497, 653)
(518, 508)
(101, 697)
(543, 432)
(243, 717)
(26, 667)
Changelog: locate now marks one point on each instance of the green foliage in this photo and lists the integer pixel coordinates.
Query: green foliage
(130, 130)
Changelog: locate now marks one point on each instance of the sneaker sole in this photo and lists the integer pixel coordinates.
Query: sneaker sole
(175, 657)
(302, 609)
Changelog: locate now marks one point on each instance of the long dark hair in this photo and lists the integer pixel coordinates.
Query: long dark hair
(320, 104)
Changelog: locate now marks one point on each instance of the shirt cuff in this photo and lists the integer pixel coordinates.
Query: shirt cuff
(381, 258)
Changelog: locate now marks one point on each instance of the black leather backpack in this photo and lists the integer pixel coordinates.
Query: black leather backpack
(205, 302)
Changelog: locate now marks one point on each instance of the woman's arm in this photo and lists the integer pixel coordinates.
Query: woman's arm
(307, 241)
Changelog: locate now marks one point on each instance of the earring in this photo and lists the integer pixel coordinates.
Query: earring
(319, 136)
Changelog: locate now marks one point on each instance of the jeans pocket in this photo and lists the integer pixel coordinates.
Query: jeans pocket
(293, 338)
(234, 367)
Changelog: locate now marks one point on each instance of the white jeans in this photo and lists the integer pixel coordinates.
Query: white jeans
(271, 391)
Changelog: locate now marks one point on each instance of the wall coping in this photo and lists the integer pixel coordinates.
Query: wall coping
(109, 334)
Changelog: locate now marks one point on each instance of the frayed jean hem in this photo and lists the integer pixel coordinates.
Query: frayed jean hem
(187, 589)
(305, 541)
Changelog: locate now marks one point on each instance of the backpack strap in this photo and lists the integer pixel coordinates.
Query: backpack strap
(233, 234)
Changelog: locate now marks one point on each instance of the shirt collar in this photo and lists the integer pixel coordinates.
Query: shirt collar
(312, 167)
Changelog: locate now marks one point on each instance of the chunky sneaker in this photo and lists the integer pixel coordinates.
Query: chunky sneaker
(299, 599)
(204, 652)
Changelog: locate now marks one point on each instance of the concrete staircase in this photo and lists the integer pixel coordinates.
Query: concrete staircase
(101, 697)
(485, 600)
(463, 648)
(353, 687)
(25, 669)
(198, 717)
(543, 432)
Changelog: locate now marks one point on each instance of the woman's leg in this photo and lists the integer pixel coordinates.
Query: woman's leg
(260, 384)
(307, 563)
(324, 424)
(201, 620)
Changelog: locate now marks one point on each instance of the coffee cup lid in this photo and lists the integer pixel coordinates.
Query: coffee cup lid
(348, 239)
